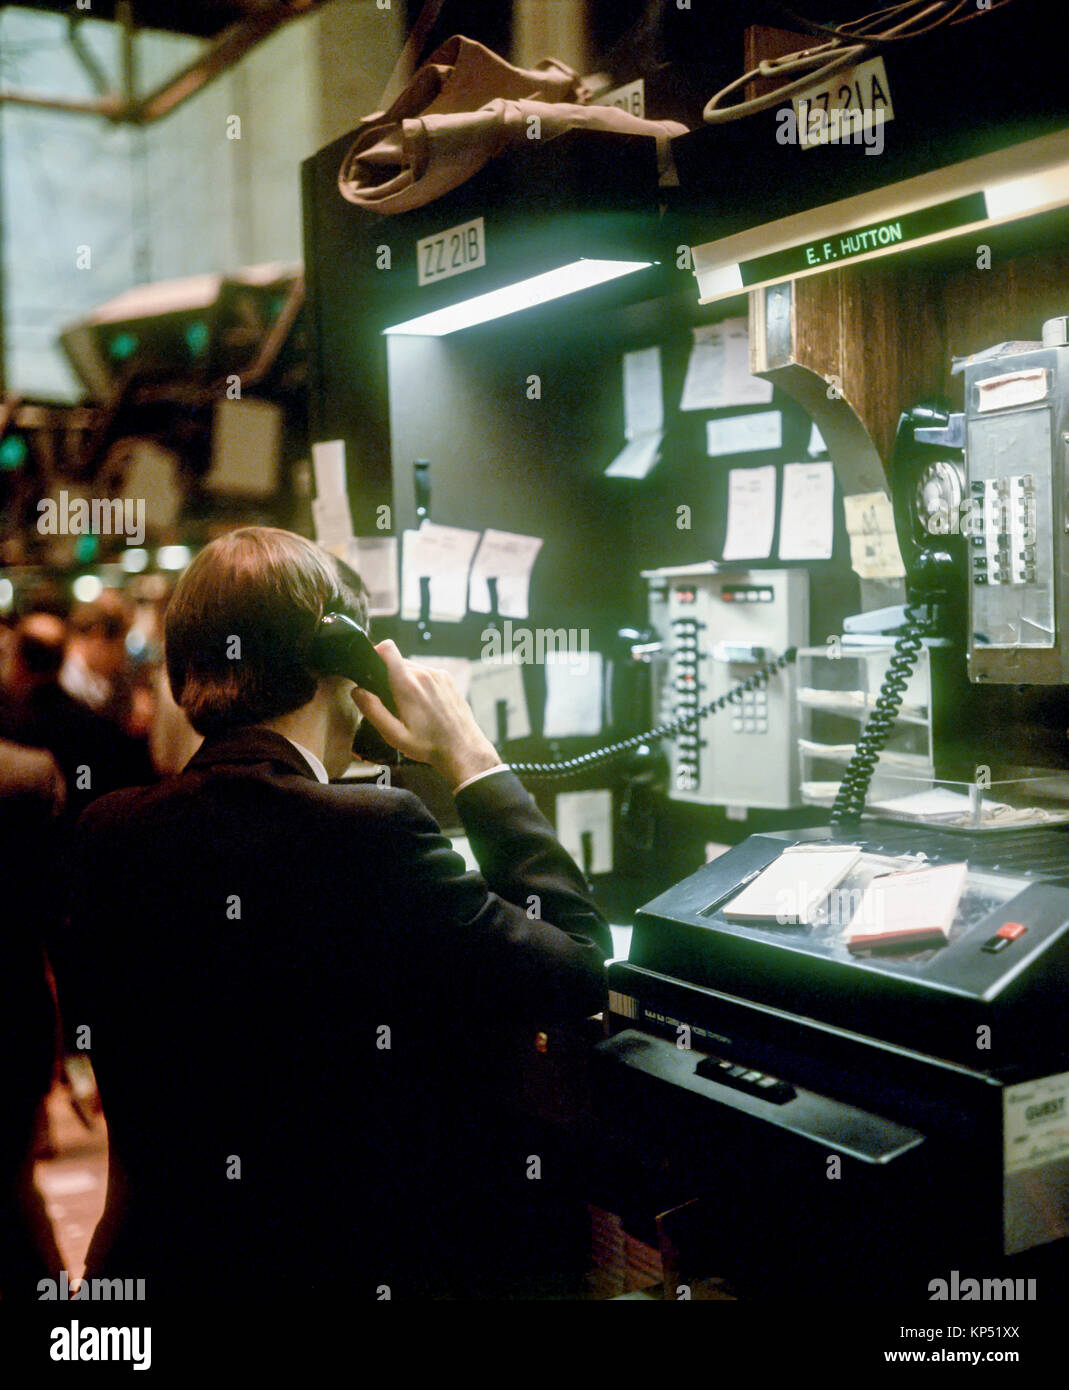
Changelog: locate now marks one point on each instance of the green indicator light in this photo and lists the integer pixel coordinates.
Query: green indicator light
(86, 548)
(13, 452)
(122, 346)
(197, 337)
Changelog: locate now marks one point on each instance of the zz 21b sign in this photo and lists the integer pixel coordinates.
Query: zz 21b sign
(451, 252)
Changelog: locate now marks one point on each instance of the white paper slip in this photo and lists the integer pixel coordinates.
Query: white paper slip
(910, 908)
(458, 667)
(328, 464)
(744, 434)
(584, 828)
(375, 560)
(574, 691)
(751, 513)
(643, 396)
(936, 803)
(870, 522)
(718, 372)
(637, 458)
(794, 886)
(509, 558)
(332, 521)
(492, 682)
(807, 521)
(441, 554)
(826, 750)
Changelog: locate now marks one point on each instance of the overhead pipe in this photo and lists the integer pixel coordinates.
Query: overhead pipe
(222, 53)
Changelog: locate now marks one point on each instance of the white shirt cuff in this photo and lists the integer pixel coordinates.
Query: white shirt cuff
(501, 767)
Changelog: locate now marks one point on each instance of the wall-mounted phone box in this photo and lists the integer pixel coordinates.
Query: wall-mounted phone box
(718, 624)
(1016, 440)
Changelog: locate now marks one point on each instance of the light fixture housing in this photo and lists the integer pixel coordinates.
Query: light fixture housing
(1019, 181)
(540, 289)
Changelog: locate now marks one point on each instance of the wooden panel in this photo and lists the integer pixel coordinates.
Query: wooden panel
(1011, 300)
(880, 330)
(760, 43)
(889, 330)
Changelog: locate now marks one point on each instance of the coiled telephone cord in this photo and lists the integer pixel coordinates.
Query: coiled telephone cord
(570, 767)
(850, 799)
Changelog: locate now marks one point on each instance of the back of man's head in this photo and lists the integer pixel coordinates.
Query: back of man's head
(240, 623)
(40, 642)
(106, 617)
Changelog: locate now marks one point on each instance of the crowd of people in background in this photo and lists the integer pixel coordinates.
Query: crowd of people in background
(79, 717)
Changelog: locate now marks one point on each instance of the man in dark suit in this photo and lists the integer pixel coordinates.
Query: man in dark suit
(31, 797)
(94, 755)
(303, 1007)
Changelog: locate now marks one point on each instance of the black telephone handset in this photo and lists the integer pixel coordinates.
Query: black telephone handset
(929, 501)
(341, 647)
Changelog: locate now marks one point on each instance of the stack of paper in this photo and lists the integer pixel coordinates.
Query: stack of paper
(914, 908)
(793, 887)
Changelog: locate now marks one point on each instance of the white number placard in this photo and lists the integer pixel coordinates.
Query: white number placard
(631, 97)
(451, 252)
(840, 110)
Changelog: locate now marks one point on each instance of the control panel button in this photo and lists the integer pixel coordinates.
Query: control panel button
(752, 1082)
(1006, 935)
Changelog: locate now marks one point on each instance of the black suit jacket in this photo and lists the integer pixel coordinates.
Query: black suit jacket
(31, 795)
(84, 744)
(302, 1007)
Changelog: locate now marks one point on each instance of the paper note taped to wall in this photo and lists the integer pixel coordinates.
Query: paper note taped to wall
(574, 693)
(643, 415)
(806, 519)
(330, 506)
(508, 558)
(751, 513)
(328, 464)
(375, 560)
(497, 684)
(870, 522)
(744, 434)
(718, 373)
(441, 554)
(332, 521)
(637, 458)
(584, 828)
(643, 396)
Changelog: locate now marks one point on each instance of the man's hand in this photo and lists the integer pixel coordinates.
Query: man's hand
(434, 723)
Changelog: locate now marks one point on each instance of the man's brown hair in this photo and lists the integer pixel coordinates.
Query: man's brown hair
(240, 622)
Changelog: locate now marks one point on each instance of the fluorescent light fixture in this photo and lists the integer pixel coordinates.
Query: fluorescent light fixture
(978, 193)
(173, 557)
(86, 588)
(524, 294)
